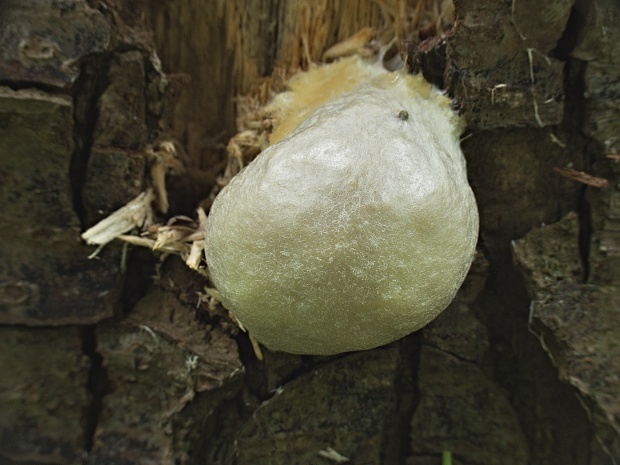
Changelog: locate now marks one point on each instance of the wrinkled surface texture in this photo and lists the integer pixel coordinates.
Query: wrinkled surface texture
(352, 232)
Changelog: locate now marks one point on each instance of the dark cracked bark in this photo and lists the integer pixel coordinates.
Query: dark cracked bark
(123, 368)
(575, 290)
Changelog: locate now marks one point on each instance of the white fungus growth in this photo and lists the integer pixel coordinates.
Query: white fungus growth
(355, 229)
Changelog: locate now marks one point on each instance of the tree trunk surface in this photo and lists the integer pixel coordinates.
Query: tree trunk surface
(117, 360)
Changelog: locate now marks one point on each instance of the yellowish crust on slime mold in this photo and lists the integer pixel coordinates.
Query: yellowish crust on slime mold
(357, 225)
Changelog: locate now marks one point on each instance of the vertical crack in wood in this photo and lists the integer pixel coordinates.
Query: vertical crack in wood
(86, 92)
(396, 447)
(574, 109)
(98, 385)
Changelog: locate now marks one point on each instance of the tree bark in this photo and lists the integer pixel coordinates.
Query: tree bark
(119, 360)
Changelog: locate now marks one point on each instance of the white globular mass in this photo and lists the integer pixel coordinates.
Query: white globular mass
(354, 230)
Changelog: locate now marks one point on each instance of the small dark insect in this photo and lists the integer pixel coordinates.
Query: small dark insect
(403, 115)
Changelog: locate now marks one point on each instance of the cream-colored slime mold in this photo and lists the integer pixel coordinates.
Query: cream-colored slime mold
(357, 226)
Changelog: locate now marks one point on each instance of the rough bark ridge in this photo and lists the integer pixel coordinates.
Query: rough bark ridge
(576, 303)
(119, 361)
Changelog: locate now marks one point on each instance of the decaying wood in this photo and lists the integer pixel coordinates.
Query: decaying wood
(42, 395)
(44, 275)
(229, 46)
(166, 379)
(254, 119)
(574, 320)
(136, 214)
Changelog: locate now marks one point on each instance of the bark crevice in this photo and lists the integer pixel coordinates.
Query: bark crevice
(98, 385)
